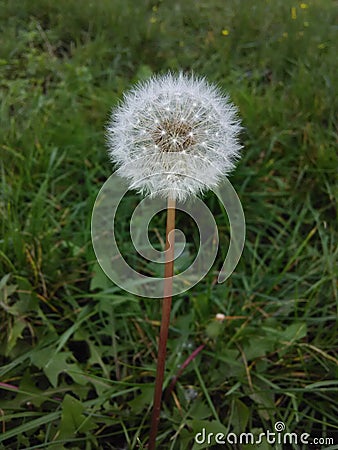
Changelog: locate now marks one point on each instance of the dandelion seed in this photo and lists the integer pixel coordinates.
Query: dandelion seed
(181, 121)
(220, 317)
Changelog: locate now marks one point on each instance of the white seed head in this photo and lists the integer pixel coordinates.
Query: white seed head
(174, 135)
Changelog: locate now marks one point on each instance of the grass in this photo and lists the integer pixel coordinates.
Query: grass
(77, 353)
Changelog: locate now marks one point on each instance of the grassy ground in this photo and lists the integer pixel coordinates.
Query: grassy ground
(77, 353)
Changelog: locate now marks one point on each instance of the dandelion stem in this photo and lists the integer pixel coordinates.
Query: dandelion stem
(166, 308)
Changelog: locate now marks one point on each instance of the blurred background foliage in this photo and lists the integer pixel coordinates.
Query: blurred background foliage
(77, 353)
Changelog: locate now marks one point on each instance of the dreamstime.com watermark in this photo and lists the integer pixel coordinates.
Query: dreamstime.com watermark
(271, 437)
(108, 249)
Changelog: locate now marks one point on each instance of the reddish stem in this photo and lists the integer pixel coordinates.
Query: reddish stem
(183, 366)
(166, 308)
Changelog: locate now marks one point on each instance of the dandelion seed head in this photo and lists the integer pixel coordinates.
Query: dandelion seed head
(174, 135)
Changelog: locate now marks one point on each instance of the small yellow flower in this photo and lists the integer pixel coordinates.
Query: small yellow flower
(285, 34)
(225, 32)
(293, 13)
(304, 5)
